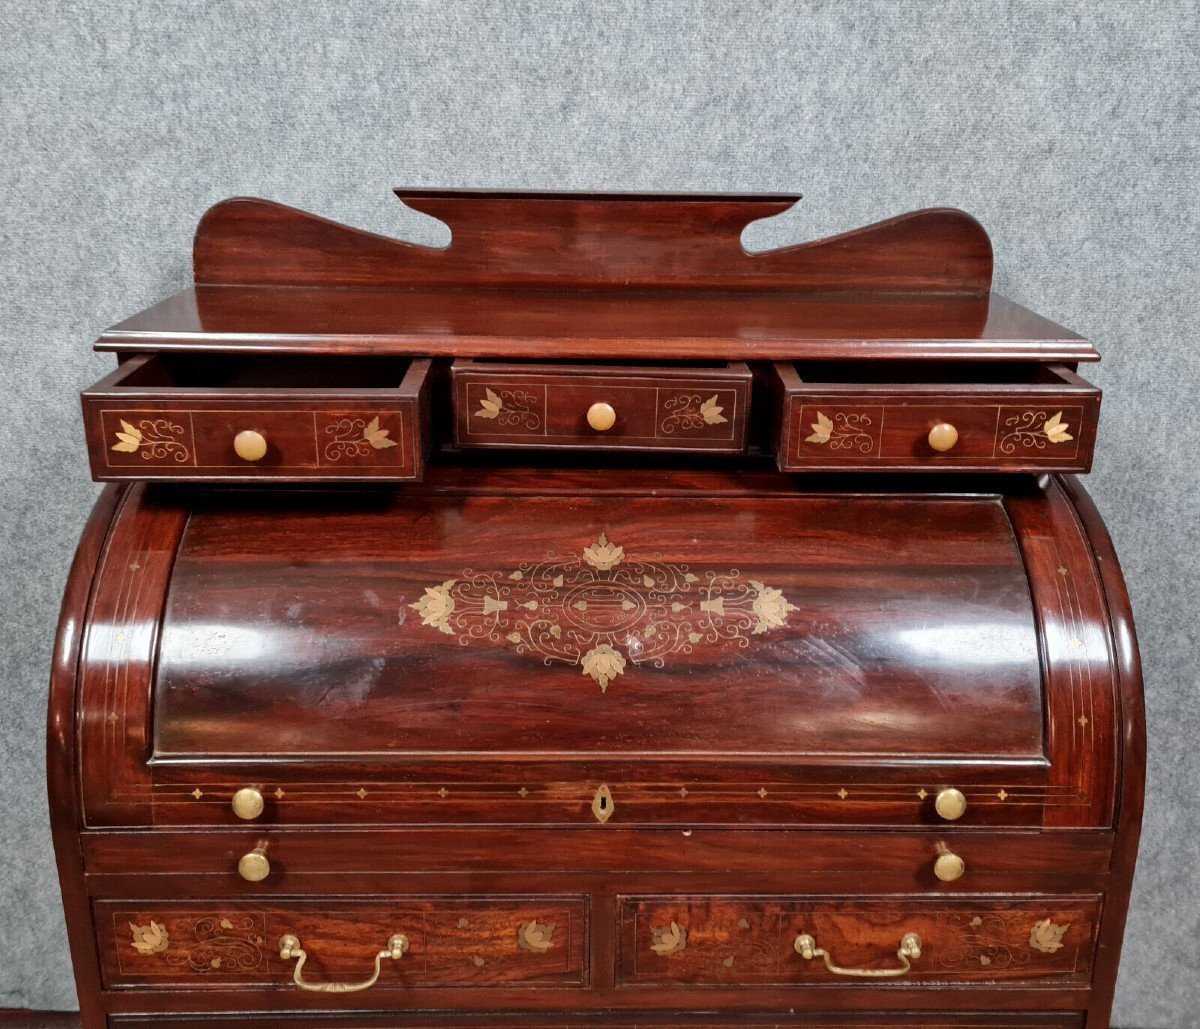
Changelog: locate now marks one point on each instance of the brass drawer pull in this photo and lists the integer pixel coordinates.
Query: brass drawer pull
(289, 947)
(910, 947)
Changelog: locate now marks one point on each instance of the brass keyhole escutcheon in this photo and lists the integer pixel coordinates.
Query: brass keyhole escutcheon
(602, 804)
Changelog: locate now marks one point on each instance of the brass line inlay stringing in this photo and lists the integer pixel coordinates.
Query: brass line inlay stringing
(602, 612)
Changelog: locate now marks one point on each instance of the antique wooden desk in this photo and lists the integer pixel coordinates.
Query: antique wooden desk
(591, 623)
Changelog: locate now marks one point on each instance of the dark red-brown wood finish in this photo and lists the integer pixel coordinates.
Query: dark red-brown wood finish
(598, 719)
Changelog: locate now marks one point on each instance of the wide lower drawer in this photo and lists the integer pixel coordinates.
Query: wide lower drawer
(811, 941)
(241, 419)
(952, 418)
(601, 407)
(447, 942)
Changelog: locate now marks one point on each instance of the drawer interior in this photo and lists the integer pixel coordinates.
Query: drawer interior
(970, 374)
(251, 372)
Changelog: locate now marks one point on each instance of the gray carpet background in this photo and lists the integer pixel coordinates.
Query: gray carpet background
(1070, 130)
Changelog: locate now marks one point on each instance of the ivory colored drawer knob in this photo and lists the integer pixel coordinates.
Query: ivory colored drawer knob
(943, 436)
(250, 445)
(601, 417)
(950, 804)
(254, 867)
(247, 803)
(949, 867)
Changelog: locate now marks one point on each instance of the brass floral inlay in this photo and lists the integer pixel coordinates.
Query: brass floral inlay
(689, 412)
(535, 938)
(601, 611)
(356, 437)
(1047, 937)
(509, 407)
(842, 432)
(669, 940)
(154, 438)
(1023, 430)
(150, 939)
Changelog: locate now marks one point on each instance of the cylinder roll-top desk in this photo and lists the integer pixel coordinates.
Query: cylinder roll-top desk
(592, 623)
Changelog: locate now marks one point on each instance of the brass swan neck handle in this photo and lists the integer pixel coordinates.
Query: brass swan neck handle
(910, 948)
(289, 947)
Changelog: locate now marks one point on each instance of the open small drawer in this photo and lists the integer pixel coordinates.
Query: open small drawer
(235, 419)
(925, 417)
(622, 406)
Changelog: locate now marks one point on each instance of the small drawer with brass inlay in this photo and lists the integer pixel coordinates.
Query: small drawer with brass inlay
(907, 417)
(175, 417)
(694, 407)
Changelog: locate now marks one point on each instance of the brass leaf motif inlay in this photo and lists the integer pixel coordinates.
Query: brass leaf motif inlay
(149, 939)
(688, 412)
(1033, 430)
(1047, 937)
(156, 439)
(842, 432)
(535, 938)
(602, 611)
(669, 940)
(356, 437)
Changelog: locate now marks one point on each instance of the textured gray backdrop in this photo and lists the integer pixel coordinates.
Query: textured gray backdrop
(1070, 130)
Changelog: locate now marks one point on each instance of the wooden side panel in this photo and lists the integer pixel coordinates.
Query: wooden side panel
(598, 241)
(457, 941)
(750, 940)
(119, 646)
(1079, 665)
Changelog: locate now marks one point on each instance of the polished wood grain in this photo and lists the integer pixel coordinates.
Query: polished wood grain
(680, 707)
(646, 325)
(548, 406)
(845, 417)
(684, 1020)
(563, 241)
(749, 940)
(157, 418)
(452, 942)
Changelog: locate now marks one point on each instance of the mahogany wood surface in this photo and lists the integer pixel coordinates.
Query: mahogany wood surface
(649, 325)
(600, 728)
(622, 241)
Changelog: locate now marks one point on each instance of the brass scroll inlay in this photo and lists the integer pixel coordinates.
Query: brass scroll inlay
(156, 439)
(842, 432)
(602, 611)
(355, 437)
(688, 412)
(1024, 431)
(1047, 937)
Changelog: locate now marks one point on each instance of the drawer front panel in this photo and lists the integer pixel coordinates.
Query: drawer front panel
(732, 941)
(498, 941)
(661, 409)
(174, 433)
(1033, 428)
